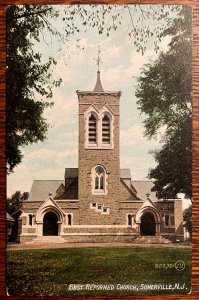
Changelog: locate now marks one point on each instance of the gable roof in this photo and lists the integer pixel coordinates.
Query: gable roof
(144, 187)
(41, 188)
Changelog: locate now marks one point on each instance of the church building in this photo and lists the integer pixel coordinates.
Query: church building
(98, 201)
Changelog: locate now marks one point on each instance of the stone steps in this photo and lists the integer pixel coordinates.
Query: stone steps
(47, 240)
(156, 239)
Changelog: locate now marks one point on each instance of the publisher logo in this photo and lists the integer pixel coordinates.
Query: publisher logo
(180, 265)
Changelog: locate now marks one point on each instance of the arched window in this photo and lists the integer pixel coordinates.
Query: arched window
(106, 130)
(99, 178)
(69, 219)
(92, 129)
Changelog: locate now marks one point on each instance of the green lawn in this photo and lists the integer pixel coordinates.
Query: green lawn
(51, 271)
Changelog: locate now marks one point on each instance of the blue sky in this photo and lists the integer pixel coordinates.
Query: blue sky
(120, 67)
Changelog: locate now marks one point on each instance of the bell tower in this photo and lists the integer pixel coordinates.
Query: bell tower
(99, 164)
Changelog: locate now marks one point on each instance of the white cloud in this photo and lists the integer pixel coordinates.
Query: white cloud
(132, 136)
(110, 53)
(114, 74)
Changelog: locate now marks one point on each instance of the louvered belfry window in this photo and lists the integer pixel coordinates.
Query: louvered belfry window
(106, 130)
(92, 130)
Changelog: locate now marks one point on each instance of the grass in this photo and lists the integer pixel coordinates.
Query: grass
(51, 271)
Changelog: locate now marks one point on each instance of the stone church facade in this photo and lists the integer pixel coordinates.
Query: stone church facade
(98, 201)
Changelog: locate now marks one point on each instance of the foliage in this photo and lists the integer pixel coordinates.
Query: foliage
(187, 216)
(27, 77)
(173, 173)
(164, 96)
(133, 18)
(50, 271)
(13, 203)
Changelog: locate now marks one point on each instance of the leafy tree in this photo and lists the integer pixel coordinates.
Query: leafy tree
(164, 96)
(26, 77)
(135, 19)
(187, 215)
(13, 203)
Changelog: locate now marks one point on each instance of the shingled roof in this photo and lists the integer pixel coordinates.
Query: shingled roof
(41, 188)
(144, 187)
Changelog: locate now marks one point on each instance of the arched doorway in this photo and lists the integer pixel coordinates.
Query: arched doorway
(50, 226)
(147, 226)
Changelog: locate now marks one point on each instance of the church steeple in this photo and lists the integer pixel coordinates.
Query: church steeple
(98, 86)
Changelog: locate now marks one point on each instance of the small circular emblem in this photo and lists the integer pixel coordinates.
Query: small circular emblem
(180, 265)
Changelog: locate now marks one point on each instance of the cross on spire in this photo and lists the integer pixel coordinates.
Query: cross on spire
(98, 59)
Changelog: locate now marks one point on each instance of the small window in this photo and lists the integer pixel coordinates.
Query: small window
(106, 130)
(99, 207)
(92, 129)
(69, 219)
(166, 221)
(172, 220)
(30, 220)
(105, 210)
(130, 220)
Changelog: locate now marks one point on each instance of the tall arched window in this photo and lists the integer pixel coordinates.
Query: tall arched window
(99, 180)
(106, 130)
(92, 129)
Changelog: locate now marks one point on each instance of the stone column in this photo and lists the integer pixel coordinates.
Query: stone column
(157, 228)
(40, 228)
(59, 223)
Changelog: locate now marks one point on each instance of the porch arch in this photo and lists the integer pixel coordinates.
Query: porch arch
(49, 221)
(148, 220)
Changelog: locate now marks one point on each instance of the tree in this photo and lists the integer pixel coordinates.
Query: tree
(164, 96)
(13, 203)
(108, 18)
(26, 77)
(187, 215)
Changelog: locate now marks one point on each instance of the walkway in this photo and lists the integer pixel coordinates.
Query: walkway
(15, 246)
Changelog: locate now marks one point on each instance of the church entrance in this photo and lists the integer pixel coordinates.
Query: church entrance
(147, 226)
(50, 226)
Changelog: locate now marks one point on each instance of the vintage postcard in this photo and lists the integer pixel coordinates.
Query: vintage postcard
(99, 150)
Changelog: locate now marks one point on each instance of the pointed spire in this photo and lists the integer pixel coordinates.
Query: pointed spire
(98, 86)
